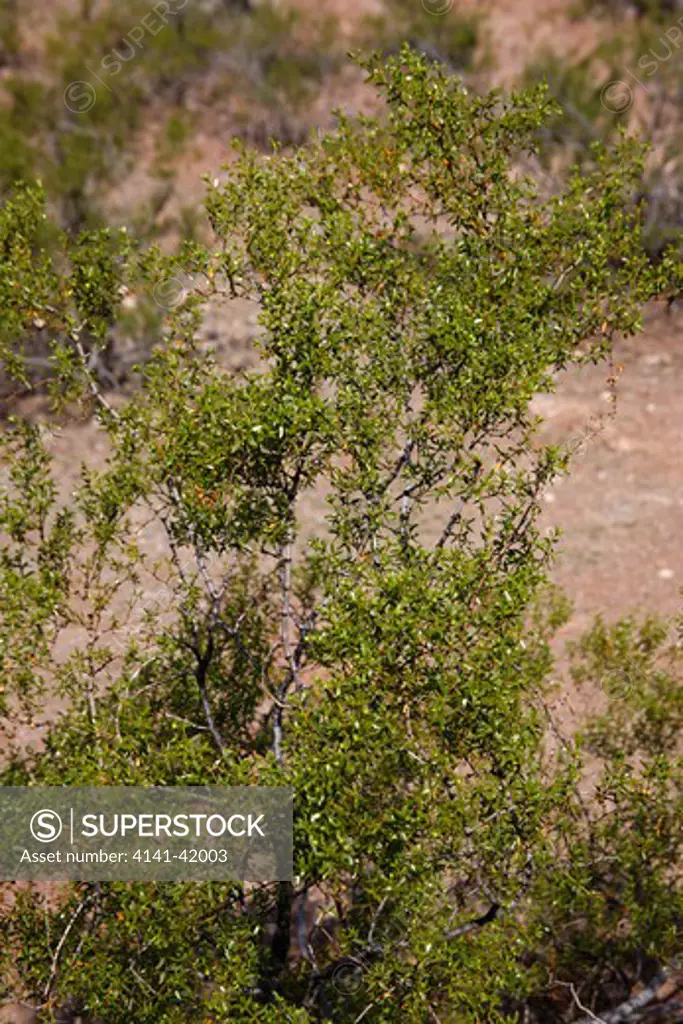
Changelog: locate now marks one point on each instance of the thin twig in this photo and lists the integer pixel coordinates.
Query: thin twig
(629, 1009)
(60, 945)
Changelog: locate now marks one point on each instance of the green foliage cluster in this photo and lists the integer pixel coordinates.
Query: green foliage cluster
(391, 663)
(632, 79)
(75, 120)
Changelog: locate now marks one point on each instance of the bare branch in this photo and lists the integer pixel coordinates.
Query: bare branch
(630, 1010)
(62, 942)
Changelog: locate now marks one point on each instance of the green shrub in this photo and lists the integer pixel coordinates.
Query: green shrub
(389, 661)
(619, 85)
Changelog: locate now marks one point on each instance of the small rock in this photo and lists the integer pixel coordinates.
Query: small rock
(665, 574)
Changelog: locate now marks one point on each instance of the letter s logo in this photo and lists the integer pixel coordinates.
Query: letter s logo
(46, 826)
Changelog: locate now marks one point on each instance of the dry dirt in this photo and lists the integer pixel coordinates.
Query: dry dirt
(622, 506)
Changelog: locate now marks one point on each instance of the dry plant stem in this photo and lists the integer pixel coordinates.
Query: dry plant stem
(630, 1010)
(60, 945)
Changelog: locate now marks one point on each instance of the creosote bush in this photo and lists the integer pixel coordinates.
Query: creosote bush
(391, 661)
